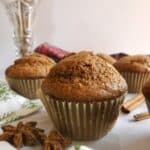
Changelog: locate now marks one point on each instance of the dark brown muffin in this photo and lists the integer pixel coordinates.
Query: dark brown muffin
(136, 70)
(83, 94)
(108, 58)
(84, 76)
(26, 75)
(117, 56)
(146, 90)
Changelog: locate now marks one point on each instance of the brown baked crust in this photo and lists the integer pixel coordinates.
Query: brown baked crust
(84, 77)
(146, 90)
(35, 57)
(108, 58)
(135, 63)
(32, 66)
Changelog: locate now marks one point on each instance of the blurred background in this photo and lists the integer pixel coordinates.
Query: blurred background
(108, 26)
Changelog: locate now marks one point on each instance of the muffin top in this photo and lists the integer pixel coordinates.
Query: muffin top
(135, 63)
(146, 90)
(31, 66)
(108, 58)
(84, 77)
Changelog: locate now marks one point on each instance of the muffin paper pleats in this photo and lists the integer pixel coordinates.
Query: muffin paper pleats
(25, 87)
(82, 120)
(135, 80)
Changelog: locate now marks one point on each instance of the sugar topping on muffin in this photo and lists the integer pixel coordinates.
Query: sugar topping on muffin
(84, 76)
(32, 66)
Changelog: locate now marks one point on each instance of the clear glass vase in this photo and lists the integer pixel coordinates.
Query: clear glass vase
(21, 14)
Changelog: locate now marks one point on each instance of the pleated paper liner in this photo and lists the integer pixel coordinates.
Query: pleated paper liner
(25, 87)
(82, 120)
(135, 80)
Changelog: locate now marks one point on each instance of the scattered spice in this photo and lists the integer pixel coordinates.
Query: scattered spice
(29, 135)
(55, 141)
(23, 134)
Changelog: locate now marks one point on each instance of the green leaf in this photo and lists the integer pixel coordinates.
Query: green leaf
(29, 104)
(77, 147)
(5, 92)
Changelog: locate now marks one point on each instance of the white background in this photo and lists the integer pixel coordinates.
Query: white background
(101, 25)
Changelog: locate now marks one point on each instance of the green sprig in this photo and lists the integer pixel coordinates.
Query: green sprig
(77, 147)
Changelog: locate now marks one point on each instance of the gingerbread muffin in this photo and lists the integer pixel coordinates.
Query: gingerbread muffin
(146, 92)
(136, 70)
(25, 76)
(83, 94)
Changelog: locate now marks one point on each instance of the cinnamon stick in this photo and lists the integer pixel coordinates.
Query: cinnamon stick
(131, 104)
(141, 116)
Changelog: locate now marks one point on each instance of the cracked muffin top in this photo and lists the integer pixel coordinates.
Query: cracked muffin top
(31, 66)
(84, 77)
(146, 90)
(135, 63)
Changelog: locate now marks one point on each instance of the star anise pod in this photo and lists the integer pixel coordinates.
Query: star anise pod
(22, 134)
(52, 145)
(55, 141)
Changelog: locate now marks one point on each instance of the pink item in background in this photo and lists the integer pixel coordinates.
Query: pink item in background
(52, 51)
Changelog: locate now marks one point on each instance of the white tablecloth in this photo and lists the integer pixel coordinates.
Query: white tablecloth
(126, 134)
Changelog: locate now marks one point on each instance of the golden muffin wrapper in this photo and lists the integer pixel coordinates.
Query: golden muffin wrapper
(25, 87)
(135, 80)
(82, 120)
